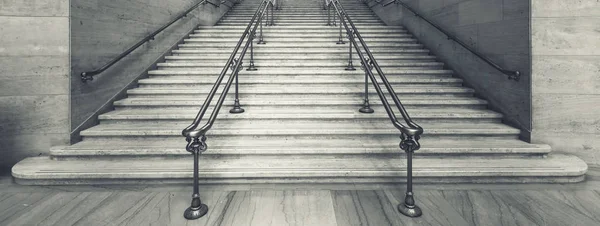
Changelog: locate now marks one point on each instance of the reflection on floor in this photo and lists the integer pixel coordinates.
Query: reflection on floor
(446, 204)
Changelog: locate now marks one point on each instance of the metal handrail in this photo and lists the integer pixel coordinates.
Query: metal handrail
(512, 75)
(89, 75)
(410, 133)
(195, 137)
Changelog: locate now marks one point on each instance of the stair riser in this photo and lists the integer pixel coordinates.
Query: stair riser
(396, 154)
(254, 96)
(294, 182)
(306, 51)
(232, 122)
(313, 30)
(199, 46)
(295, 57)
(424, 139)
(299, 65)
(210, 82)
(274, 35)
(333, 106)
(304, 40)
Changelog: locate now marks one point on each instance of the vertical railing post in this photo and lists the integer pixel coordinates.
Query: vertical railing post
(366, 108)
(329, 15)
(350, 66)
(340, 40)
(236, 69)
(272, 15)
(409, 144)
(251, 67)
(197, 209)
(260, 39)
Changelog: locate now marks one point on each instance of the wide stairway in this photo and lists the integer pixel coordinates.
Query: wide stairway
(301, 123)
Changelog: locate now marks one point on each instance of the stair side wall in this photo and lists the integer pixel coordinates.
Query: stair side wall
(497, 29)
(34, 78)
(100, 30)
(566, 76)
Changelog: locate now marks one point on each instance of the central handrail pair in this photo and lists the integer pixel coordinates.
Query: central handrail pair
(196, 134)
(411, 132)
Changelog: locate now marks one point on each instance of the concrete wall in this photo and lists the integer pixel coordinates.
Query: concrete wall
(566, 76)
(34, 77)
(497, 29)
(101, 30)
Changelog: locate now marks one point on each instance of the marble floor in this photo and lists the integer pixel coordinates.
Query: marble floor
(324, 205)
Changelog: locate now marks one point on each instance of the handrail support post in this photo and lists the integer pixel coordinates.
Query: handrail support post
(236, 66)
(328, 15)
(350, 66)
(251, 67)
(340, 39)
(366, 108)
(409, 144)
(197, 209)
(261, 41)
(272, 15)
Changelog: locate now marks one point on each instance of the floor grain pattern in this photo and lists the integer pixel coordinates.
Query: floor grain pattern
(304, 208)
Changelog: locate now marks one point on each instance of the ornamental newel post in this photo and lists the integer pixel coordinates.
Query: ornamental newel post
(409, 144)
(197, 209)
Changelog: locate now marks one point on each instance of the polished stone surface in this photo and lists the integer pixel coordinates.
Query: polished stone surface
(34, 78)
(442, 204)
(566, 64)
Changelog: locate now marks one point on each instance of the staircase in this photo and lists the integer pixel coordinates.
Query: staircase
(301, 123)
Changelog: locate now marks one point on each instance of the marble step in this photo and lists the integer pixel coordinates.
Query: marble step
(249, 91)
(315, 28)
(555, 168)
(354, 79)
(333, 38)
(298, 24)
(223, 57)
(268, 34)
(286, 21)
(295, 16)
(309, 71)
(175, 147)
(295, 129)
(301, 64)
(301, 51)
(301, 30)
(320, 45)
(299, 114)
(333, 103)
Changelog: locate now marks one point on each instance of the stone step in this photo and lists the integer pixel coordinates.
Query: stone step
(271, 35)
(299, 64)
(297, 24)
(298, 114)
(309, 71)
(306, 39)
(301, 30)
(323, 89)
(300, 51)
(555, 168)
(284, 21)
(301, 128)
(275, 44)
(312, 80)
(219, 148)
(295, 16)
(291, 101)
(293, 56)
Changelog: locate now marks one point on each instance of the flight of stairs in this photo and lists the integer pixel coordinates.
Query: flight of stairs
(301, 123)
